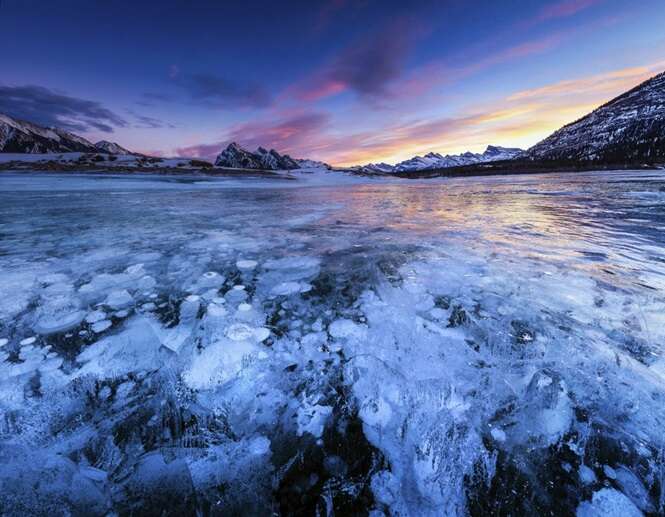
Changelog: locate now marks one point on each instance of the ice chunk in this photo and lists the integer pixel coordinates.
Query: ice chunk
(100, 326)
(312, 418)
(246, 264)
(217, 363)
(28, 341)
(136, 348)
(95, 316)
(587, 476)
(119, 299)
(3, 341)
(343, 328)
(288, 288)
(608, 502)
(146, 283)
(58, 322)
(240, 332)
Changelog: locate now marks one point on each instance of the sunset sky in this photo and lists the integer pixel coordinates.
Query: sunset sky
(342, 81)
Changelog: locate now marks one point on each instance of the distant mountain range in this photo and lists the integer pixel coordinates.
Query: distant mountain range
(627, 130)
(19, 136)
(437, 161)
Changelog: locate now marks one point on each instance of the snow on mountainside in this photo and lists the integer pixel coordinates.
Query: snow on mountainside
(18, 136)
(104, 146)
(234, 156)
(438, 161)
(627, 129)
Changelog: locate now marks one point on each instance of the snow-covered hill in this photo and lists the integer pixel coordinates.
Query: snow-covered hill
(628, 129)
(438, 161)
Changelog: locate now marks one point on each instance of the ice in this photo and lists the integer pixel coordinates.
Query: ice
(312, 418)
(246, 265)
(100, 326)
(456, 347)
(119, 299)
(608, 502)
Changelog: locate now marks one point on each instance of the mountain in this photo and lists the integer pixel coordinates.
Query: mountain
(104, 146)
(628, 129)
(236, 157)
(438, 161)
(19, 136)
(312, 164)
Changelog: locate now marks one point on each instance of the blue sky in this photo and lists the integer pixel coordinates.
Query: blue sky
(338, 80)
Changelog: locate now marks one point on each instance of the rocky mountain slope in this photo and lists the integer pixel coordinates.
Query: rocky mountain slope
(234, 156)
(438, 161)
(628, 129)
(20, 136)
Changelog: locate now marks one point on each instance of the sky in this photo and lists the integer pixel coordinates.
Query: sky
(346, 82)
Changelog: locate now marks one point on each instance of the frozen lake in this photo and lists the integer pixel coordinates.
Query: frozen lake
(447, 347)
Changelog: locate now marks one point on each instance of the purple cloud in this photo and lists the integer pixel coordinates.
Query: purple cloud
(43, 106)
(214, 91)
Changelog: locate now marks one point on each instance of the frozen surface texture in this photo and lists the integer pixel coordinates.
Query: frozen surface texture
(457, 347)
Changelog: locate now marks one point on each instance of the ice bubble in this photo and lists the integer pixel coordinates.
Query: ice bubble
(28, 341)
(189, 308)
(119, 299)
(146, 283)
(498, 435)
(135, 270)
(239, 287)
(259, 445)
(344, 328)
(209, 280)
(51, 364)
(3, 341)
(244, 307)
(261, 333)
(609, 472)
(236, 296)
(246, 264)
(121, 314)
(58, 322)
(239, 332)
(312, 419)
(100, 326)
(285, 288)
(587, 476)
(95, 316)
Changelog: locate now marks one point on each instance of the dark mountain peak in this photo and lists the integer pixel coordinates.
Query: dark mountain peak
(234, 156)
(20, 136)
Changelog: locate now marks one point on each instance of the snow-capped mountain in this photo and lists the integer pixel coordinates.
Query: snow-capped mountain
(236, 157)
(438, 161)
(630, 128)
(104, 146)
(19, 136)
(312, 164)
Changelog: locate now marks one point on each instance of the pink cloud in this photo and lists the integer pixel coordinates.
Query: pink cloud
(565, 8)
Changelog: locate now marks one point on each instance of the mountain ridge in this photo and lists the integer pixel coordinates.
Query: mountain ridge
(22, 136)
(628, 128)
